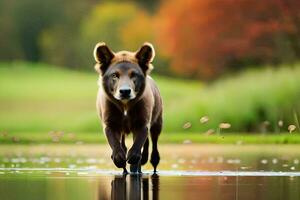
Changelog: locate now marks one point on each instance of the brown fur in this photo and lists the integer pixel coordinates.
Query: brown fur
(140, 115)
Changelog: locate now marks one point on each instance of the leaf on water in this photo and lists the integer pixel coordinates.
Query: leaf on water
(245, 167)
(187, 125)
(224, 125)
(204, 119)
(291, 128)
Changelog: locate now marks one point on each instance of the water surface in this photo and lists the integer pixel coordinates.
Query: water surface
(186, 172)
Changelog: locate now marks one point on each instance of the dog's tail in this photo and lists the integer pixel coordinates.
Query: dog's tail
(145, 153)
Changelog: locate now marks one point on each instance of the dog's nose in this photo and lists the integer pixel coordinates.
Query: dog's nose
(125, 92)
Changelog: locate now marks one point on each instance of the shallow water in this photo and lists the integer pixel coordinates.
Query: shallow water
(186, 172)
(58, 185)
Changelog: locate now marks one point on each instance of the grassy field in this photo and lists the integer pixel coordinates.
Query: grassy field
(38, 98)
(176, 138)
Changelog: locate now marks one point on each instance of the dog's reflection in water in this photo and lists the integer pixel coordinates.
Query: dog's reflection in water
(135, 187)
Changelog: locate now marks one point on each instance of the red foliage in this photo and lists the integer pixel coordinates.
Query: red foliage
(203, 38)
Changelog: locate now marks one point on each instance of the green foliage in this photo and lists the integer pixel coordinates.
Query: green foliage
(22, 22)
(38, 97)
(105, 21)
(120, 25)
(60, 44)
(65, 32)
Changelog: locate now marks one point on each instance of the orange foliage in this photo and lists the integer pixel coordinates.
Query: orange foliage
(203, 38)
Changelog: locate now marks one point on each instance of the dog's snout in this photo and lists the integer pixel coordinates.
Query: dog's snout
(125, 92)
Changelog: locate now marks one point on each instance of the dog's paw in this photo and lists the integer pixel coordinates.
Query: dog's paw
(119, 158)
(134, 156)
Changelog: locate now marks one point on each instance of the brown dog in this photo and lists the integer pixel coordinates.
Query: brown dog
(129, 101)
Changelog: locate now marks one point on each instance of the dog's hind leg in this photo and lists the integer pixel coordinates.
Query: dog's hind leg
(155, 132)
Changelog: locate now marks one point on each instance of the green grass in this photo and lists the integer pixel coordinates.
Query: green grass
(43, 98)
(178, 138)
(254, 100)
(38, 97)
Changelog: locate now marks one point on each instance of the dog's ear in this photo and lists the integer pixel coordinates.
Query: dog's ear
(103, 56)
(145, 56)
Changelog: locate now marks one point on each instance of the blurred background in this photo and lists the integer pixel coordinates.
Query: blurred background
(223, 66)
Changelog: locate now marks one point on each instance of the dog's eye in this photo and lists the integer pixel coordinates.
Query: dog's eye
(133, 75)
(114, 76)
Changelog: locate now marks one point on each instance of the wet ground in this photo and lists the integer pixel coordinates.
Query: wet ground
(186, 171)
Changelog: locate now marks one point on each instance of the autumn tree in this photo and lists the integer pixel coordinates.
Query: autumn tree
(205, 38)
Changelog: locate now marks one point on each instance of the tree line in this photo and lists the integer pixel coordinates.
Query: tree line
(200, 39)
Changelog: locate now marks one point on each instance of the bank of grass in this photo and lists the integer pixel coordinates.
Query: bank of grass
(42, 98)
(175, 138)
(254, 100)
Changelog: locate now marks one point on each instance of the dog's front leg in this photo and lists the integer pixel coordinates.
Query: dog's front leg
(118, 154)
(139, 137)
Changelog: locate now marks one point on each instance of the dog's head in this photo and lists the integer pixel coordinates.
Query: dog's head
(123, 73)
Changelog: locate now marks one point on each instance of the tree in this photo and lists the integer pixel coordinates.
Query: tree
(60, 42)
(123, 26)
(205, 38)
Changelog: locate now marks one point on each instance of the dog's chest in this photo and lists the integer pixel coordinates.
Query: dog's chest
(126, 123)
